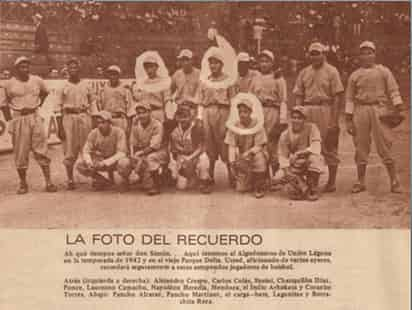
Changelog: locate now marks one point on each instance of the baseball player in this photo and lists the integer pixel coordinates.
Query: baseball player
(24, 94)
(247, 158)
(214, 99)
(4, 108)
(191, 164)
(153, 84)
(300, 157)
(246, 81)
(271, 91)
(148, 152)
(319, 89)
(103, 151)
(76, 101)
(185, 81)
(116, 98)
(372, 91)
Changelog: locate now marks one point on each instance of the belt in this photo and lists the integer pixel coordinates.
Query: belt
(319, 103)
(367, 103)
(26, 111)
(73, 110)
(155, 107)
(117, 114)
(220, 105)
(270, 105)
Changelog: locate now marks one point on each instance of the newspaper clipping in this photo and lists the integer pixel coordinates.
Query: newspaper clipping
(195, 155)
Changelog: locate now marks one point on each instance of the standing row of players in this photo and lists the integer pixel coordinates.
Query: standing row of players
(135, 133)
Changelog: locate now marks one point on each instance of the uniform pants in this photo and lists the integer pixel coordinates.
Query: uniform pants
(214, 125)
(28, 134)
(76, 128)
(244, 179)
(143, 167)
(271, 119)
(200, 171)
(295, 190)
(314, 163)
(320, 115)
(367, 124)
(86, 171)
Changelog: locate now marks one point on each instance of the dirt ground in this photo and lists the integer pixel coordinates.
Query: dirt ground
(84, 208)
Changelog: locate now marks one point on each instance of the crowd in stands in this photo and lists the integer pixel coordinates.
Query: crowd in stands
(339, 25)
(141, 16)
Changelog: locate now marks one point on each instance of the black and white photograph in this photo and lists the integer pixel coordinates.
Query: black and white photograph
(204, 115)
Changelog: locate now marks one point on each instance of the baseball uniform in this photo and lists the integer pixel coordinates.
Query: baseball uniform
(118, 101)
(308, 139)
(318, 87)
(156, 98)
(75, 102)
(27, 126)
(185, 86)
(272, 92)
(140, 139)
(216, 108)
(183, 143)
(369, 94)
(247, 83)
(108, 149)
(243, 143)
(304, 167)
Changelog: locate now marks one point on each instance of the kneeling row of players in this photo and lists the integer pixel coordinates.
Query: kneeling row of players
(155, 158)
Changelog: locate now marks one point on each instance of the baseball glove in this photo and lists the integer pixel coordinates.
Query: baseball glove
(241, 165)
(392, 120)
(188, 169)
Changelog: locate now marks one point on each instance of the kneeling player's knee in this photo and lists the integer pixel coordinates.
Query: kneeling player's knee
(124, 167)
(314, 162)
(151, 162)
(83, 169)
(204, 162)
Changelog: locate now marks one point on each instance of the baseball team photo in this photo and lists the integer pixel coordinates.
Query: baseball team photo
(204, 115)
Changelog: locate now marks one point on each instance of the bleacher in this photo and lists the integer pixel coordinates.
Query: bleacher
(127, 36)
(17, 40)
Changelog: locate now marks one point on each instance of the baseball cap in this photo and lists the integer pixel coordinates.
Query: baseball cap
(182, 112)
(216, 53)
(243, 57)
(21, 59)
(246, 103)
(187, 103)
(299, 109)
(105, 115)
(268, 53)
(150, 59)
(185, 53)
(114, 68)
(317, 47)
(143, 105)
(73, 60)
(368, 44)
